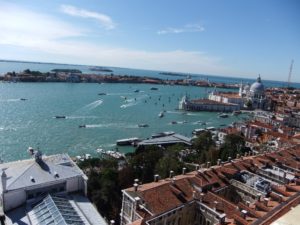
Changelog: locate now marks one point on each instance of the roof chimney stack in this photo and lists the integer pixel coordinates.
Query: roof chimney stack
(219, 162)
(183, 171)
(208, 164)
(197, 167)
(112, 222)
(215, 205)
(244, 213)
(135, 186)
(171, 173)
(156, 178)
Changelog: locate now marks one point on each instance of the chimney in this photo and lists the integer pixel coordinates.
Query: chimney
(237, 156)
(244, 213)
(197, 167)
(201, 197)
(173, 180)
(3, 180)
(208, 164)
(245, 154)
(171, 173)
(135, 186)
(266, 200)
(183, 171)
(215, 205)
(219, 162)
(258, 196)
(248, 203)
(194, 194)
(229, 159)
(156, 178)
(112, 222)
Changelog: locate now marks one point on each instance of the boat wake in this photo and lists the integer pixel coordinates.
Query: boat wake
(93, 105)
(119, 94)
(174, 112)
(111, 125)
(133, 101)
(88, 107)
(81, 117)
(10, 100)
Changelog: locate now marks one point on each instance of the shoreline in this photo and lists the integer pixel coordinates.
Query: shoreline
(70, 77)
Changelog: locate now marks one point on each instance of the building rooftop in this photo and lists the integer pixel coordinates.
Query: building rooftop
(209, 102)
(26, 173)
(171, 139)
(271, 197)
(69, 209)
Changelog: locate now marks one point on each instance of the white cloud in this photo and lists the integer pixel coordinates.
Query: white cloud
(184, 29)
(49, 39)
(22, 27)
(103, 19)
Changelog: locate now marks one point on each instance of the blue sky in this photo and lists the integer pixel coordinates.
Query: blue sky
(230, 38)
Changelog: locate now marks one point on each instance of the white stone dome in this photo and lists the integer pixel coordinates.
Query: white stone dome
(257, 87)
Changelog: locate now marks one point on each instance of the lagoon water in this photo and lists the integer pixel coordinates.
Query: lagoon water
(107, 118)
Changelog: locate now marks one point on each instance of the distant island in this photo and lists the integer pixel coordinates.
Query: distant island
(100, 69)
(175, 74)
(76, 76)
(66, 71)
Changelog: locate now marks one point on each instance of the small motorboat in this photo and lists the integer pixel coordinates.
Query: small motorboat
(236, 113)
(82, 126)
(102, 93)
(60, 117)
(161, 114)
(143, 125)
(174, 122)
(154, 89)
(23, 99)
(223, 115)
(137, 90)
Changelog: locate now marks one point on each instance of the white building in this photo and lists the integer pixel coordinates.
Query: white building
(27, 183)
(248, 96)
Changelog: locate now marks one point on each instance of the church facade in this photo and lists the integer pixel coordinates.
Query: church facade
(248, 97)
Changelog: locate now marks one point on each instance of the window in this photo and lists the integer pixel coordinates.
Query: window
(179, 221)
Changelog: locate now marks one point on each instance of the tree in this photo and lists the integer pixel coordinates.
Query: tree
(234, 144)
(203, 142)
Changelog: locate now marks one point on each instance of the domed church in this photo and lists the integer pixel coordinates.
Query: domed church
(254, 95)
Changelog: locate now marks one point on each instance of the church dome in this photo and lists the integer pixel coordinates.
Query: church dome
(257, 87)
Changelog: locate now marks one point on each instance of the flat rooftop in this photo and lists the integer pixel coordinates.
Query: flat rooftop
(172, 139)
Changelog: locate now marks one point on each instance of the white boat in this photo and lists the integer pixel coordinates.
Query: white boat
(110, 153)
(161, 114)
(223, 115)
(211, 128)
(198, 131)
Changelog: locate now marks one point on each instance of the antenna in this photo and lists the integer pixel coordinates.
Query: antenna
(290, 73)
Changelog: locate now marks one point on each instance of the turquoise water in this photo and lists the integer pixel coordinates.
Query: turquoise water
(108, 117)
